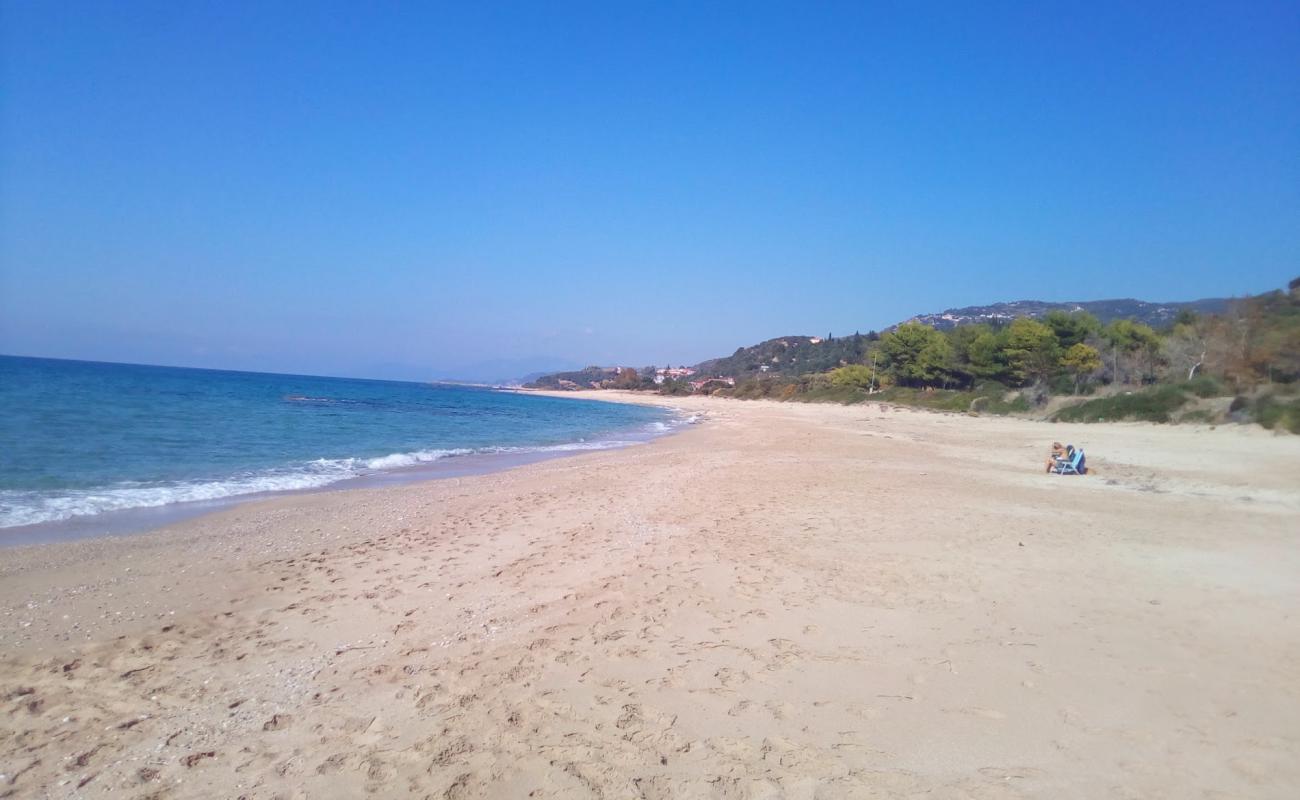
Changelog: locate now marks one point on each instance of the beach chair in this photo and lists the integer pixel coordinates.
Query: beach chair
(1071, 466)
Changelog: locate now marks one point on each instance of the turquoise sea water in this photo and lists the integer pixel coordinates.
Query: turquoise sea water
(83, 438)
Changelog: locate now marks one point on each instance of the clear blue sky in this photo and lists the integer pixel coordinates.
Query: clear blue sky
(404, 189)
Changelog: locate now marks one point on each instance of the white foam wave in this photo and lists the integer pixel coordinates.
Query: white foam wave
(399, 460)
(30, 508)
(19, 507)
(300, 398)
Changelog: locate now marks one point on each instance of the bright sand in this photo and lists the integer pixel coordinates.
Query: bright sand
(783, 601)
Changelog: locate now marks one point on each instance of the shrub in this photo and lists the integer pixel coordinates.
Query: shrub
(674, 388)
(990, 397)
(853, 375)
(1274, 412)
(987, 398)
(937, 399)
(832, 394)
(1156, 404)
(1204, 386)
(991, 389)
(1061, 384)
(997, 405)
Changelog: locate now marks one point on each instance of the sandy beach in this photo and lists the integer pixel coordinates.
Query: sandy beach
(783, 600)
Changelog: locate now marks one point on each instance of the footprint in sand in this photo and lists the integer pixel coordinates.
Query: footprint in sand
(780, 710)
(742, 750)
(278, 722)
(977, 711)
(729, 677)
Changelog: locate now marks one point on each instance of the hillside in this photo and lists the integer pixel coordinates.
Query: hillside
(789, 356)
(792, 356)
(1157, 315)
(587, 378)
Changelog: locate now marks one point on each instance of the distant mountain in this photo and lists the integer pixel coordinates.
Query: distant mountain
(1154, 314)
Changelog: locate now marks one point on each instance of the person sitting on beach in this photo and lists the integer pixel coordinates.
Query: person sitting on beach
(1059, 452)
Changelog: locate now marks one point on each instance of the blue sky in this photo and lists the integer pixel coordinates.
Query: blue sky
(401, 190)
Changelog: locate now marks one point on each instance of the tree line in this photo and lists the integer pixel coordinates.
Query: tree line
(1256, 341)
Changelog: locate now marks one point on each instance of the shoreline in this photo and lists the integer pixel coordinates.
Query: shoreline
(786, 600)
(144, 519)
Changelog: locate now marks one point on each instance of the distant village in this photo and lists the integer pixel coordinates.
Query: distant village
(632, 378)
(704, 378)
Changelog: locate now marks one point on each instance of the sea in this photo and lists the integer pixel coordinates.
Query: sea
(89, 447)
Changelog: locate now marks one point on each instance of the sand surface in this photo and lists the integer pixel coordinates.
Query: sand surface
(782, 601)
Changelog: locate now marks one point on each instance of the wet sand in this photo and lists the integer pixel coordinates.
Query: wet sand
(783, 601)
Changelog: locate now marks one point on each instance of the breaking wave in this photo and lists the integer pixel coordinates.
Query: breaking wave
(22, 507)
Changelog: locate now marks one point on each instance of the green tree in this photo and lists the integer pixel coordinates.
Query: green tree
(854, 375)
(988, 355)
(1081, 360)
(917, 355)
(979, 352)
(1131, 345)
(1032, 350)
(960, 338)
(1071, 328)
(1185, 316)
